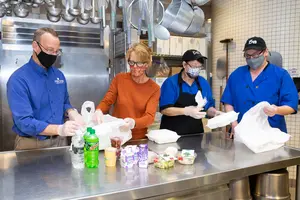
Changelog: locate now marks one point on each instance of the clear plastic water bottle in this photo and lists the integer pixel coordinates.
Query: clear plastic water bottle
(92, 150)
(77, 154)
(87, 133)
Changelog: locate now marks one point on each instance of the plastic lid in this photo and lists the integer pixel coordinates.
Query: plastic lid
(88, 129)
(92, 131)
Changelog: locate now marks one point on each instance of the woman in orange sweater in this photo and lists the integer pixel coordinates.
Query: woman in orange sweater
(134, 96)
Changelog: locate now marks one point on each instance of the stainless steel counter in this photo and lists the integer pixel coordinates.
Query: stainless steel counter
(48, 173)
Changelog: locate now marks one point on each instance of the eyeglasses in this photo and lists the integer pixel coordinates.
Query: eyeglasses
(48, 51)
(139, 64)
(254, 55)
(200, 66)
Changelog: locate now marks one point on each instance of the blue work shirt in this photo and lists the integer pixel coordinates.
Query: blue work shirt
(274, 85)
(169, 92)
(37, 97)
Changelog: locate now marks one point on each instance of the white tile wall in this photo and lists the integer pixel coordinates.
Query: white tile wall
(277, 21)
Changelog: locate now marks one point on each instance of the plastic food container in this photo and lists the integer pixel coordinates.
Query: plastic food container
(186, 160)
(164, 161)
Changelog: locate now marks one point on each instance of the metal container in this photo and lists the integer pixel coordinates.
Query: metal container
(178, 16)
(197, 22)
(272, 186)
(240, 189)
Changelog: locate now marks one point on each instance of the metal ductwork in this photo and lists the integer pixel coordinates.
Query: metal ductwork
(20, 32)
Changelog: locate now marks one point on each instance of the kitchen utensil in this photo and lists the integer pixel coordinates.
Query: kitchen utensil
(28, 2)
(161, 32)
(83, 15)
(221, 73)
(113, 22)
(272, 185)
(2, 10)
(200, 2)
(52, 18)
(38, 2)
(15, 2)
(72, 10)
(54, 11)
(275, 58)
(82, 21)
(135, 14)
(94, 18)
(102, 10)
(66, 16)
(21, 10)
(50, 2)
(178, 16)
(226, 42)
(88, 6)
(197, 22)
(34, 5)
(64, 2)
(240, 189)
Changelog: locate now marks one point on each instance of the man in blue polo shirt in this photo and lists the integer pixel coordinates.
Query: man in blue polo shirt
(177, 100)
(260, 81)
(38, 97)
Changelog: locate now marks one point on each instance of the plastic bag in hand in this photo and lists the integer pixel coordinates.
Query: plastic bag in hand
(256, 133)
(200, 101)
(87, 111)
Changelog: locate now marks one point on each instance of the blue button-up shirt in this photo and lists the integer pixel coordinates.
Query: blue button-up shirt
(170, 90)
(37, 97)
(274, 85)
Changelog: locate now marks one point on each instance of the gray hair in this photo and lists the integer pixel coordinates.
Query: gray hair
(41, 31)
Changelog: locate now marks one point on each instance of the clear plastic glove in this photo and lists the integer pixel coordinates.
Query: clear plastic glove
(97, 117)
(129, 124)
(271, 110)
(68, 128)
(194, 112)
(75, 116)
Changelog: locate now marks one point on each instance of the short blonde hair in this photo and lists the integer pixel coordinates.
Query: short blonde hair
(143, 52)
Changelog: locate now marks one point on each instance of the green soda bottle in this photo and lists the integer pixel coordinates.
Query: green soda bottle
(87, 133)
(92, 150)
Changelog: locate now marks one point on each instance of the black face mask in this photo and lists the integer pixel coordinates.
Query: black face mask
(45, 59)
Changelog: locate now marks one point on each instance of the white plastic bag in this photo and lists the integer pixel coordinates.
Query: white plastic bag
(199, 99)
(222, 120)
(162, 136)
(110, 128)
(87, 115)
(256, 133)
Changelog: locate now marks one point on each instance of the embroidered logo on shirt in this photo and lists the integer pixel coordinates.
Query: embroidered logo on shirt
(58, 81)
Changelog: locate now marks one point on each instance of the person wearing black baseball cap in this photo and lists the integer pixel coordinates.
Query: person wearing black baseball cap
(177, 101)
(260, 81)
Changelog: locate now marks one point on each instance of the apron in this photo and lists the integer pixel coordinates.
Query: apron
(183, 125)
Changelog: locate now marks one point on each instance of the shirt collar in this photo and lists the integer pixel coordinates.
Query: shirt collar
(38, 69)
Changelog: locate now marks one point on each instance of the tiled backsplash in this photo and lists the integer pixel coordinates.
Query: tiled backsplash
(277, 21)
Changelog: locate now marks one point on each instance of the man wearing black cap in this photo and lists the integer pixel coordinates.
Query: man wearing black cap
(260, 81)
(177, 101)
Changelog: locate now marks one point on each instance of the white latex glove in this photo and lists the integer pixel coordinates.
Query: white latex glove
(129, 124)
(194, 112)
(75, 116)
(68, 128)
(97, 117)
(270, 110)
